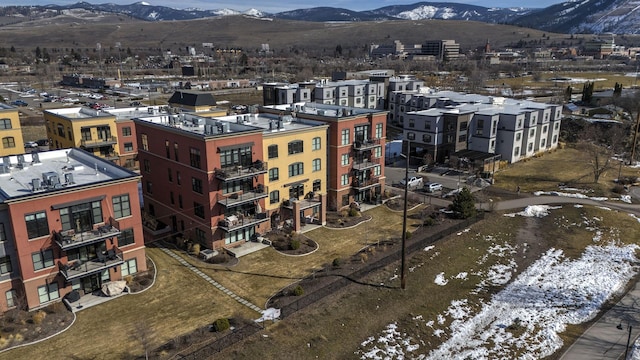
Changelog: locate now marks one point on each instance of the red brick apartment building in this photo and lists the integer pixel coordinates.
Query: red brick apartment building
(69, 220)
(356, 142)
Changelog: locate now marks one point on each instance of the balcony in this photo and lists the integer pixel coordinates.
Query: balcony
(366, 183)
(111, 156)
(235, 222)
(239, 171)
(69, 239)
(367, 144)
(235, 199)
(366, 164)
(88, 144)
(78, 268)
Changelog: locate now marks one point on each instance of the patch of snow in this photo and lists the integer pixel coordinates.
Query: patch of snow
(430, 247)
(464, 231)
(535, 211)
(577, 196)
(269, 314)
(440, 279)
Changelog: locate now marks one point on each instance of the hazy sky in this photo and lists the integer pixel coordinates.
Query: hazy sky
(277, 6)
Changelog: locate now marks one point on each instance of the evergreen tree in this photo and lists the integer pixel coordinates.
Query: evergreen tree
(464, 204)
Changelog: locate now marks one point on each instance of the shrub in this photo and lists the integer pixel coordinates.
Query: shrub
(38, 317)
(429, 221)
(354, 212)
(337, 262)
(408, 235)
(128, 279)
(221, 324)
(618, 189)
(298, 291)
(364, 257)
(344, 213)
(195, 249)
(295, 244)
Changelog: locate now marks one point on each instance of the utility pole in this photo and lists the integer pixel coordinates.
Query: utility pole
(404, 220)
(635, 138)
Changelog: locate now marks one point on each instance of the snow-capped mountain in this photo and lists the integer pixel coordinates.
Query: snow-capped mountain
(573, 16)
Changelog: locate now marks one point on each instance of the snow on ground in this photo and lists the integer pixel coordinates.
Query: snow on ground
(269, 314)
(571, 195)
(535, 210)
(527, 316)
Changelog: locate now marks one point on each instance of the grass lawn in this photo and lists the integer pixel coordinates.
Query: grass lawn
(338, 325)
(261, 274)
(178, 303)
(602, 80)
(567, 165)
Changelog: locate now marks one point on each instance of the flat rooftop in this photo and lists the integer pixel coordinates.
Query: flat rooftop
(4, 106)
(78, 113)
(326, 110)
(71, 167)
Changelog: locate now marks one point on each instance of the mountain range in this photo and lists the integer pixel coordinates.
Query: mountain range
(573, 16)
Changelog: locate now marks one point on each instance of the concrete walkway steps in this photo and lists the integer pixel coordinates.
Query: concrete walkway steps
(211, 281)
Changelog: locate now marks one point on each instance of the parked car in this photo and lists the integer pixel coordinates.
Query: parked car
(414, 182)
(432, 187)
(42, 142)
(19, 102)
(30, 145)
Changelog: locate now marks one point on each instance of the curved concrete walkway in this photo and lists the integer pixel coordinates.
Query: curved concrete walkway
(208, 279)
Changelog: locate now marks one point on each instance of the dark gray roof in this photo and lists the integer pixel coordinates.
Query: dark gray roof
(192, 98)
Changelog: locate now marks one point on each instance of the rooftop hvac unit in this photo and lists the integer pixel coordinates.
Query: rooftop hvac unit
(50, 179)
(20, 158)
(37, 184)
(68, 178)
(35, 158)
(6, 161)
(4, 169)
(239, 119)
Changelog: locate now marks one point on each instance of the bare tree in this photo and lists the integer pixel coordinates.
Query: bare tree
(599, 142)
(143, 334)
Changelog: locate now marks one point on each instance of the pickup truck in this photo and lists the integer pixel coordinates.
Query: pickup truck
(413, 182)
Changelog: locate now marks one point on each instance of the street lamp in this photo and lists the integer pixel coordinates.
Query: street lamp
(626, 349)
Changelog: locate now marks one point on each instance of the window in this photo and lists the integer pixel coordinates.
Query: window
(530, 147)
(42, 259)
(152, 210)
(556, 126)
(377, 152)
(171, 198)
(544, 129)
(411, 136)
(37, 224)
(144, 142)
(3, 233)
(8, 142)
(316, 143)
(81, 217)
(175, 151)
(274, 197)
(61, 131)
(126, 238)
(167, 149)
(146, 164)
(317, 185)
(180, 200)
(200, 236)
(296, 191)
(149, 187)
(196, 185)
(198, 210)
(233, 157)
(344, 179)
(518, 136)
(296, 169)
(463, 126)
(295, 147)
(379, 131)
(273, 151)
(344, 159)
(121, 206)
(128, 146)
(11, 298)
(129, 267)
(126, 131)
(169, 175)
(462, 138)
(377, 170)
(194, 157)
(480, 127)
(274, 174)
(345, 199)
(315, 165)
(178, 178)
(345, 137)
(5, 124)
(532, 132)
(516, 151)
(5, 265)
(555, 139)
(48, 292)
(426, 138)
(412, 123)
(427, 125)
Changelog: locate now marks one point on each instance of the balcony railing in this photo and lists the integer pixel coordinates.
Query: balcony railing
(78, 268)
(235, 199)
(366, 164)
(111, 156)
(366, 183)
(235, 222)
(366, 144)
(109, 140)
(69, 239)
(239, 171)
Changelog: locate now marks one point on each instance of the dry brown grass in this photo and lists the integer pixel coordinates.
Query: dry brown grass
(601, 80)
(178, 303)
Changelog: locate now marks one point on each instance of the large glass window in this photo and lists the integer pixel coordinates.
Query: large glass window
(194, 157)
(274, 197)
(129, 267)
(121, 206)
(5, 265)
(317, 185)
(144, 142)
(316, 143)
(5, 124)
(274, 174)
(344, 180)
(126, 131)
(8, 142)
(379, 131)
(296, 169)
(128, 146)
(175, 151)
(296, 147)
(196, 185)
(344, 159)
(81, 217)
(48, 292)
(37, 224)
(234, 157)
(126, 238)
(11, 297)
(315, 165)
(42, 259)
(272, 151)
(345, 137)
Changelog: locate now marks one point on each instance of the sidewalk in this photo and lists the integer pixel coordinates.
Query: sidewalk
(607, 338)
